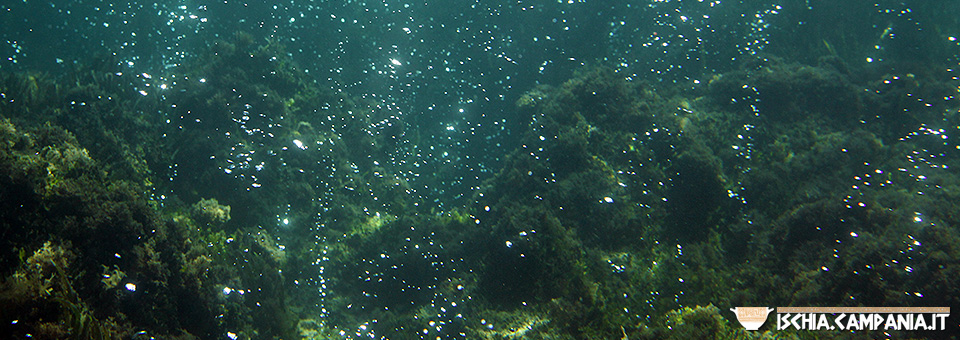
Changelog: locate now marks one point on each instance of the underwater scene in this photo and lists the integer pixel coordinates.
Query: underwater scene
(474, 169)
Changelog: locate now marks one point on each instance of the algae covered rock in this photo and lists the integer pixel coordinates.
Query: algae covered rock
(211, 211)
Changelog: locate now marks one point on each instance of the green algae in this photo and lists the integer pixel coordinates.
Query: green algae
(624, 204)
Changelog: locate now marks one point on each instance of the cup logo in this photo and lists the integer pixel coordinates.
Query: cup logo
(752, 317)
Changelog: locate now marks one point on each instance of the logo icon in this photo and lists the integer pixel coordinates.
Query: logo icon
(752, 317)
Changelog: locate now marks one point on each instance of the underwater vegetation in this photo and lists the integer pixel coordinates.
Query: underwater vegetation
(106, 263)
(254, 203)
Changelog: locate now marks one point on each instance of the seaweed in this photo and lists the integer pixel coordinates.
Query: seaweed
(624, 204)
(79, 319)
